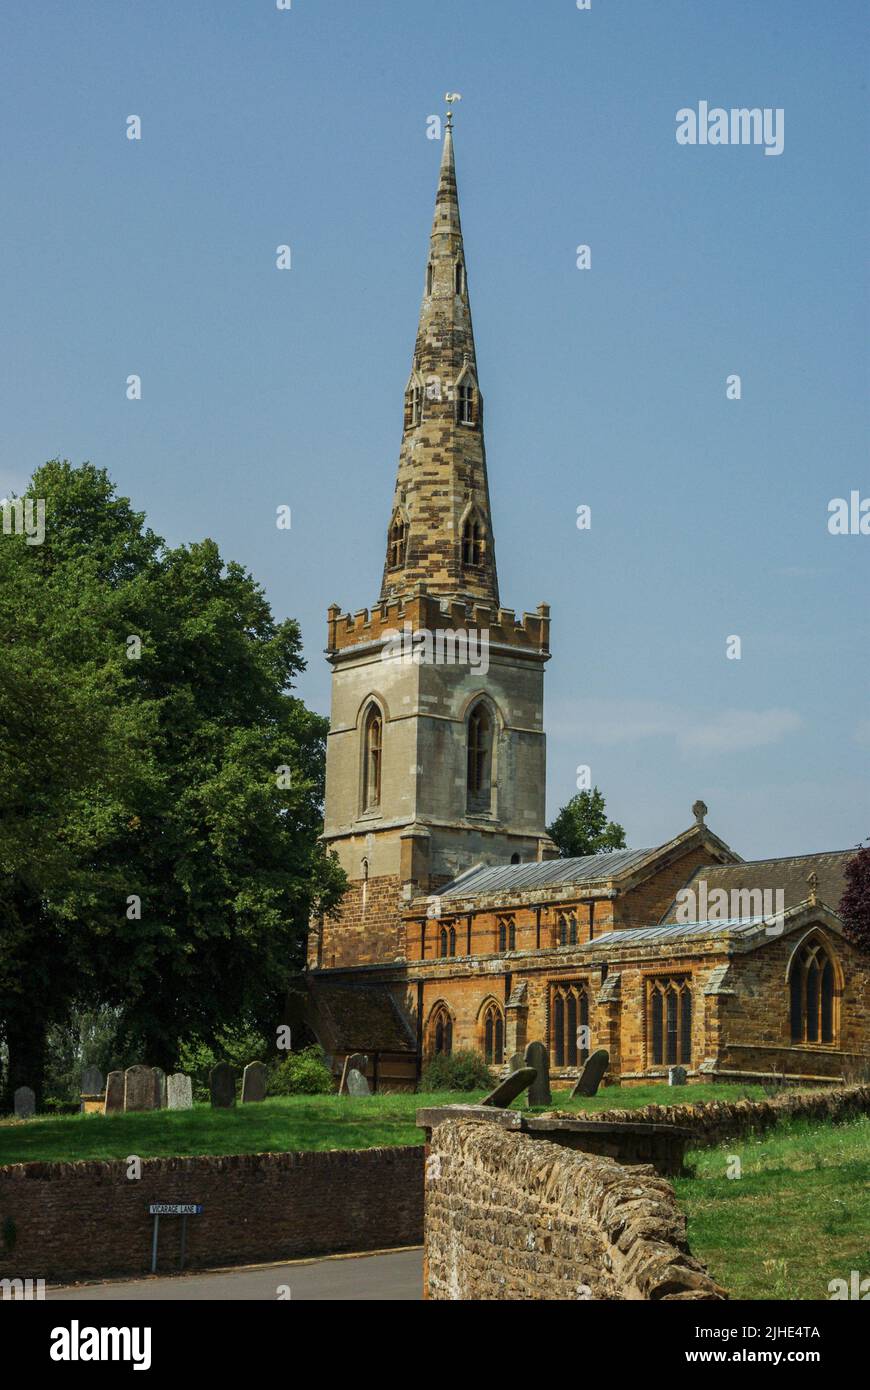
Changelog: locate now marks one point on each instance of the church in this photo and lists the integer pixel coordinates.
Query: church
(462, 928)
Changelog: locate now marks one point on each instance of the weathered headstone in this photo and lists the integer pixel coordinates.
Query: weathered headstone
(516, 1062)
(254, 1082)
(24, 1101)
(537, 1056)
(179, 1091)
(357, 1061)
(677, 1076)
(114, 1092)
(591, 1076)
(513, 1085)
(92, 1082)
(159, 1088)
(222, 1085)
(357, 1085)
(139, 1088)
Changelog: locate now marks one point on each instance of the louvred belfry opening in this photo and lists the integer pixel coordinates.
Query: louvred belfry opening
(441, 478)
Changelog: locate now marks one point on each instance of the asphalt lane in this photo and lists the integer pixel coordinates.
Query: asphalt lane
(393, 1277)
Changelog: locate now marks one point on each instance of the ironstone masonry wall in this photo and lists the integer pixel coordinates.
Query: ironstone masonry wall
(88, 1220)
(512, 1217)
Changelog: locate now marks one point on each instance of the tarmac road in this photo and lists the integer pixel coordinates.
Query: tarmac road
(394, 1276)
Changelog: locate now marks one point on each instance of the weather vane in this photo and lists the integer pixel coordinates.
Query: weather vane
(450, 98)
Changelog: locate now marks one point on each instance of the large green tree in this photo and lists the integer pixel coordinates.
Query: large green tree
(160, 785)
(854, 906)
(582, 827)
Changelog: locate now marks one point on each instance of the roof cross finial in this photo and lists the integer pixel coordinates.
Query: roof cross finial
(699, 811)
(813, 881)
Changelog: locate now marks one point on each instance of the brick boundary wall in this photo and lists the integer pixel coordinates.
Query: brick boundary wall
(716, 1120)
(89, 1220)
(512, 1217)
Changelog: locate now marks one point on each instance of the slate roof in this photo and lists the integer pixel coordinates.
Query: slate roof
(790, 874)
(362, 1018)
(509, 878)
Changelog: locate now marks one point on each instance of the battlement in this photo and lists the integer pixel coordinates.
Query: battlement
(422, 611)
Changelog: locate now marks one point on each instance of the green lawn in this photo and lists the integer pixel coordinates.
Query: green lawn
(798, 1217)
(288, 1123)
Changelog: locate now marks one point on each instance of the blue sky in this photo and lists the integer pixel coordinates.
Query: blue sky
(605, 387)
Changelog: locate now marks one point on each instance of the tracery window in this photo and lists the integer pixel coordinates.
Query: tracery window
(812, 994)
(441, 1032)
(670, 1022)
(566, 928)
(466, 398)
(507, 934)
(493, 1034)
(479, 769)
(373, 733)
(473, 541)
(569, 1014)
(398, 532)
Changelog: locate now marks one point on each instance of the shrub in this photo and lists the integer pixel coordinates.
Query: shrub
(301, 1074)
(461, 1071)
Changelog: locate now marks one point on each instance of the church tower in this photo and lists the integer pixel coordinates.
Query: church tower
(436, 751)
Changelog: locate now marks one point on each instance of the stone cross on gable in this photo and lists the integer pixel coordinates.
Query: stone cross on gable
(699, 811)
(813, 881)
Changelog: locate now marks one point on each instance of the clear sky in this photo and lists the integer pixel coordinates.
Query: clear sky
(604, 387)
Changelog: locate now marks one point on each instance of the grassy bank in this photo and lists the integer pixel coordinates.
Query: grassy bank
(282, 1124)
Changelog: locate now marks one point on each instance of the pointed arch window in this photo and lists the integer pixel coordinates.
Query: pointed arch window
(507, 934)
(479, 772)
(447, 941)
(569, 1026)
(466, 402)
(373, 739)
(670, 1022)
(473, 540)
(567, 928)
(441, 1032)
(812, 994)
(492, 1029)
(397, 542)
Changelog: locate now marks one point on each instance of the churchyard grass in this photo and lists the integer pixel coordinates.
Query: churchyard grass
(280, 1124)
(797, 1217)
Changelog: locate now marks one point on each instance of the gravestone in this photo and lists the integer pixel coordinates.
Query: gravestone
(253, 1083)
(516, 1062)
(179, 1091)
(159, 1088)
(139, 1088)
(590, 1077)
(513, 1085)
(222, 1085)
(357, 1085)
(537, 1056)
(677, 1076)
(24, 1101)
(92, 1082)
(114, 1092)
(357, 1061)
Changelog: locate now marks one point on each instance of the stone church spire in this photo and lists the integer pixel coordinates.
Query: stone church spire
(440, 528)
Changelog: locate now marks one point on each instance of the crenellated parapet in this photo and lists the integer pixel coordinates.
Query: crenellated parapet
(424, 612)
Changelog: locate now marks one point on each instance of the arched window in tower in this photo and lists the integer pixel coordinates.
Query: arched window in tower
(441, 1032)
(373, 737)
(466, 402)
(413, 405)
(669, 1022)
(479, 775)
(812, 994)
(473, 540)
(459, 277)
(398, 537)
(492, 1030)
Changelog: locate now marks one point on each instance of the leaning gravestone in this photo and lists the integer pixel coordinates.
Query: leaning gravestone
(513, 1085)
(159, 1088)
(253, 1083)
(357, 1061)
(677, 1076)
(24, 1101)
(114, 1092)
(590, 1077)
(139, 1088)
(357, 1085)
(92, 1082)
(537, 1056)
(179, 1092)
(222, 1085)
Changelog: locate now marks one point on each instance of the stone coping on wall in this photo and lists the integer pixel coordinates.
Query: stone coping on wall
(710, 1122)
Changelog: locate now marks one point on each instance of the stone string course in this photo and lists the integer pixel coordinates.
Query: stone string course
(714, 1121)
(510, 1217)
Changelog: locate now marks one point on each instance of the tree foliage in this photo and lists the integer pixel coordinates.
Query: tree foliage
(854, 905)
(582, 827)
(160, 786)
